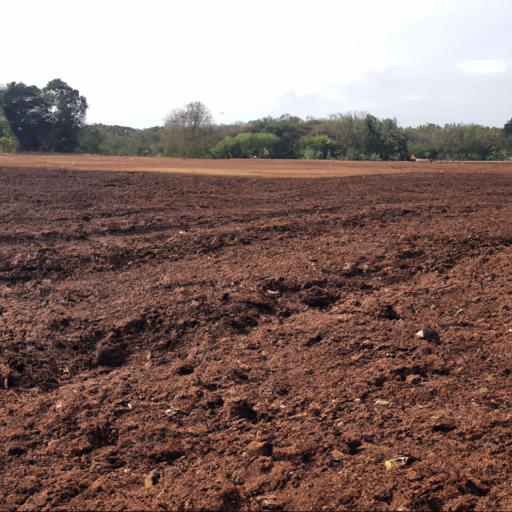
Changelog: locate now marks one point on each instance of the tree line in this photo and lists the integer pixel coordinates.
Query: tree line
(52, 119)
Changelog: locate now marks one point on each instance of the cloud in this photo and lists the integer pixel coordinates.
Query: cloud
(482, 67)
(414, 95)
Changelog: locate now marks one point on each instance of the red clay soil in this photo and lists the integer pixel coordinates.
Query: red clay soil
(174, 342)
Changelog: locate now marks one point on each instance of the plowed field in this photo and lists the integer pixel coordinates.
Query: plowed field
(180, 341)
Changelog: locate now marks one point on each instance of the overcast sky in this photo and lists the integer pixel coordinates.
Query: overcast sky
(419, 61)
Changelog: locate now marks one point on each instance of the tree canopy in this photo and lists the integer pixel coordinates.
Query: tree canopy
(67, 110)
(318, 147)
(27, 112)
(507, 129)
(246, 145)
(289, 129)
(188, 131)
(48, 119)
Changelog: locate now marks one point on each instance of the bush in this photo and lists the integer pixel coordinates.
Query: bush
(246, 145)
(8, 144)
(318, 147)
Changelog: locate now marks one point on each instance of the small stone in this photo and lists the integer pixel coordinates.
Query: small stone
(428, 334)
(413, 379)
(337, 455)
(398, 462)
(52, 446)
(381, 402)
(97, 485)
(151, 479)
(80, 446)
(259, 449)
(269, 501)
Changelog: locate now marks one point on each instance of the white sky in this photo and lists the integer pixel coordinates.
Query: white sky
(419, 61)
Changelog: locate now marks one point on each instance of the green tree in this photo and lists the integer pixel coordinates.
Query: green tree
(28, 114)
(459, 142)
(189, 131)
(318, 147)
(385, 139)
(246, 145)
(90, 140)
(8, 143)
(393, 141)
(48, 119)
(507, 129)
(422, 140)
(67, 111)
(289, 129)
(348, 130)
(374, 143)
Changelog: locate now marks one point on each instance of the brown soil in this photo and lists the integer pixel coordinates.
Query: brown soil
(197, 342)
(250, 168)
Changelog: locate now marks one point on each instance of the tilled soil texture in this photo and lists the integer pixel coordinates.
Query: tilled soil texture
(195, 342)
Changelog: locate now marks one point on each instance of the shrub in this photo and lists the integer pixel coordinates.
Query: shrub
(246, 145)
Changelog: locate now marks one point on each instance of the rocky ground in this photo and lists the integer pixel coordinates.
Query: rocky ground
(191, 342)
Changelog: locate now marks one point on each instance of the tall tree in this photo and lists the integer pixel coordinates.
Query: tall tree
(289, 129)
(27, 112)
(318, 147)
(44, 120)
(507, 129)
(189, 131)
(67, 111)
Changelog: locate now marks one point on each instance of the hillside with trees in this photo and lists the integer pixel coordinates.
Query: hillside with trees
(52, 119)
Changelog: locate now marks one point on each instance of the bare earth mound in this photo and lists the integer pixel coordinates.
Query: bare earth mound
(184, 342)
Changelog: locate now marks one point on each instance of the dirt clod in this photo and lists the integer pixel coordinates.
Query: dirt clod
(241, 409)
(397, 462)
(337, 455)
(259, 449)
(413, 379)
(110, 355)
(152, 479)
(428, 334)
